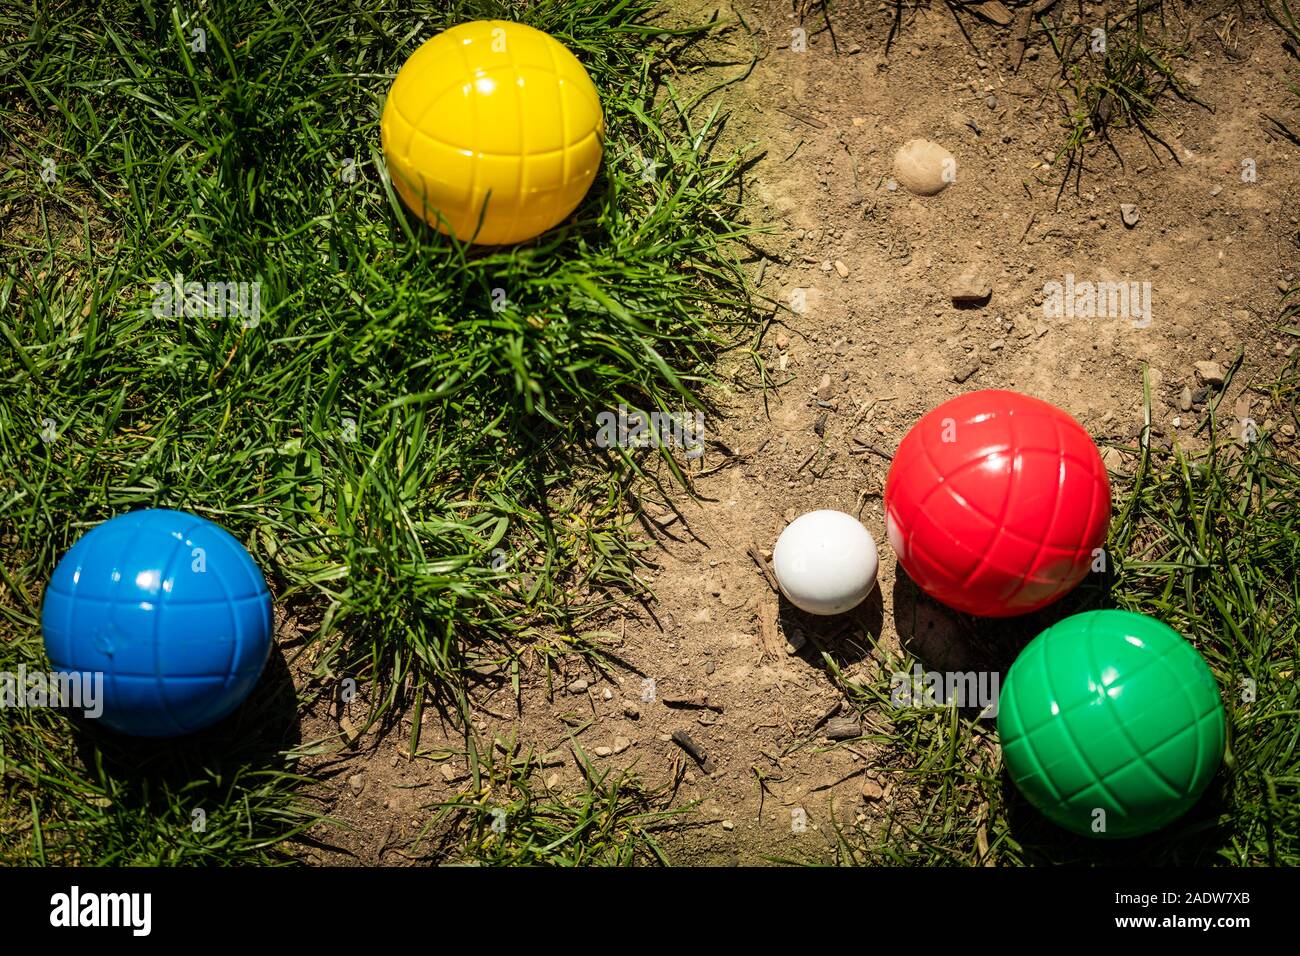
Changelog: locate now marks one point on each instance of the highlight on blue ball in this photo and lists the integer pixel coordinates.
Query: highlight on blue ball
(171, 609)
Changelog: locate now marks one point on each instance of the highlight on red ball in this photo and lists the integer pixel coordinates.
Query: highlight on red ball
(997, 503)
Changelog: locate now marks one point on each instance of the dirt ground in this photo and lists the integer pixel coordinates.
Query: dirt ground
(878, 342)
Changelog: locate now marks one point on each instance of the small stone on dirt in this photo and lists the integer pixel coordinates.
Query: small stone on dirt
(970, 288)
(782, 341)
(1185, 399)
(1112, 458)
(578, 686)
(965, 371)
(824, 388)
(631, 711)
(1128, 214)
(621, 744)
(961, 122)
(844, 728)
(924, 168)
(603, 751)
(728, 825)
(357, 782)
(872, 790)
(1211, 373)
(842, 269)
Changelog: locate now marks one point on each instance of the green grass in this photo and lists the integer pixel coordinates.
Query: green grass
(413, 469)
(1116, 80)
(1208, 543)
(508, 816)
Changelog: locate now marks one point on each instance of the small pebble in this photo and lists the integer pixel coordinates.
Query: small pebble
(970, 288)
(1211, 373)
(924, 168)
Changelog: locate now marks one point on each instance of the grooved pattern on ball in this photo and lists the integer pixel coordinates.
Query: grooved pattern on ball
(1115, 711)
(1005, 518)
(179, 648)
(500, 133)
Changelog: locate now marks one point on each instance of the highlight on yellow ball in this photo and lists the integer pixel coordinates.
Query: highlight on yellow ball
(493, 132)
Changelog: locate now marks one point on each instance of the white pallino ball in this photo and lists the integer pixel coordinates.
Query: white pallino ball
(825, 562)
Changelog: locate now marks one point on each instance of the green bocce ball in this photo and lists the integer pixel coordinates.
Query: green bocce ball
(1111, 724)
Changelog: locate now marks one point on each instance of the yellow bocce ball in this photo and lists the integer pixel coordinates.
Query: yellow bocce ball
(493, 132)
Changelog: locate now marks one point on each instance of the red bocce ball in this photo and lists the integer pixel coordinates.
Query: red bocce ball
(996, 503)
